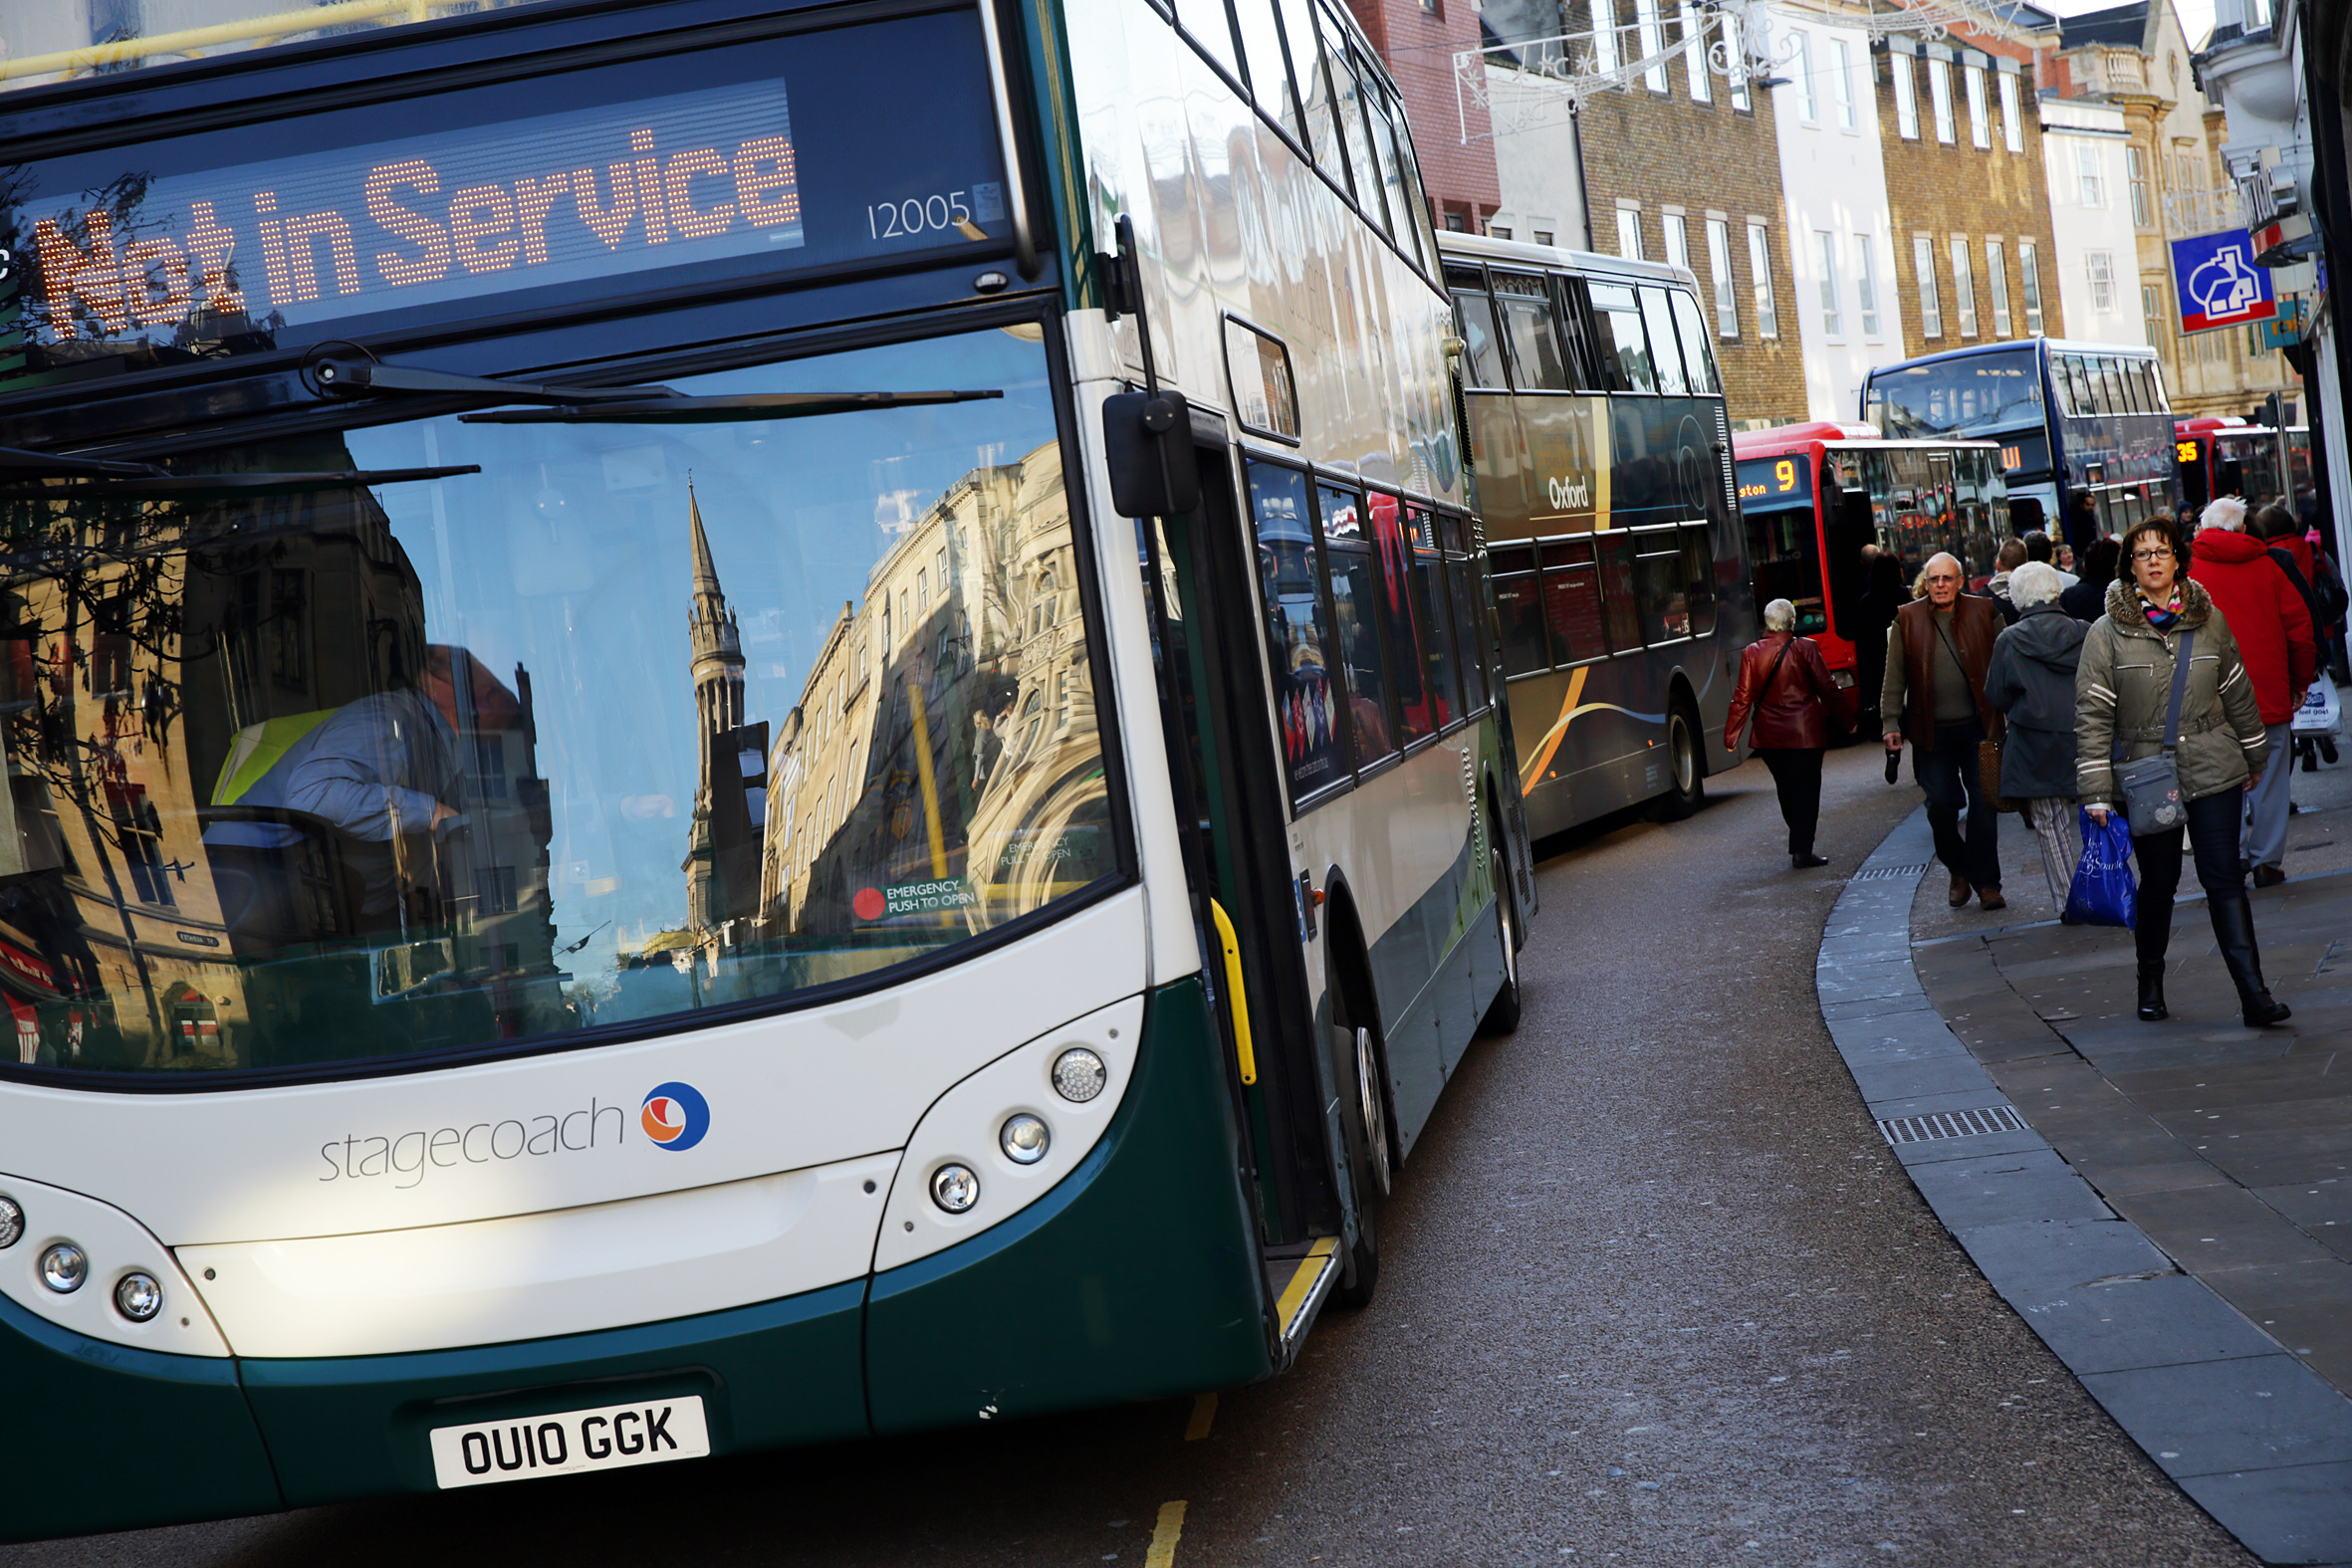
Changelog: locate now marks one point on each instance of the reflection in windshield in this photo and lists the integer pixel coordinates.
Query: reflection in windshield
(1972, 395)
(627, 724)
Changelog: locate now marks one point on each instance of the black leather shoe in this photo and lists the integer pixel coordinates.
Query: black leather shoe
(2269, 876)
(1806, 862)
(2152, 1008)
(2233, 933)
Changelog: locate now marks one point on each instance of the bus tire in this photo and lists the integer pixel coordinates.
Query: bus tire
(1686, 786)
(1374, 1166)
(1502, 1015)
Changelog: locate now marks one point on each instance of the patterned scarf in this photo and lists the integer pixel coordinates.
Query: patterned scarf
(2162, 616)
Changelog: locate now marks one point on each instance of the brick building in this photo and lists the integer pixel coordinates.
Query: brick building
(1967, 194)
(1418, 40)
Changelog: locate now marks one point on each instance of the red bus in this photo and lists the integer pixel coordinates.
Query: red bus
(2257, 463)
(1811, 496)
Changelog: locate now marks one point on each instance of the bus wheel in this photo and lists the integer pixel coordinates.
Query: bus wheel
(1684, 788)
(1502, 1013)
(1372, 1175)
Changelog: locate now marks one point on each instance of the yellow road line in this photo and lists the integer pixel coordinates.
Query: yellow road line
(1164, 1536)
(1311, 1269)
(1204, 1411)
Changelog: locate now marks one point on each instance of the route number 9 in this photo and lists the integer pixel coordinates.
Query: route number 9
(1783, 477)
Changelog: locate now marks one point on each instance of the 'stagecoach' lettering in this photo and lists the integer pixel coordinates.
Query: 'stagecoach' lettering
(408, 1155)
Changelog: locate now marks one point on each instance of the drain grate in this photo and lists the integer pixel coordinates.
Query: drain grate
(1876, 873)
(1952, 1124)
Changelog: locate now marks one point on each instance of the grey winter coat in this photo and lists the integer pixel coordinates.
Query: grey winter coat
(2125, 682)
(2031, 680)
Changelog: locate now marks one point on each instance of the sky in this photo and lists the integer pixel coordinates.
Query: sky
(2196, 16)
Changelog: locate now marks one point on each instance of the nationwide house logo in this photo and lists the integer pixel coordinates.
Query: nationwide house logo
(675, 1116)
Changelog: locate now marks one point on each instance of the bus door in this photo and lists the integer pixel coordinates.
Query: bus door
(1846, 526)
(1251, 906)
(2196, 482)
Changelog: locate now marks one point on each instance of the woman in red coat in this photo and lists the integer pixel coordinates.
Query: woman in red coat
(1784, 681)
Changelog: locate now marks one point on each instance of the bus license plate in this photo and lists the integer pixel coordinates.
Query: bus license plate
(610, 1438)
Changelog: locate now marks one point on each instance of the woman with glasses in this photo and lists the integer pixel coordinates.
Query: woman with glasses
(2122, 695)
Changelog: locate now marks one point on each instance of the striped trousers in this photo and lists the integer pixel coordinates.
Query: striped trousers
(2057, 824)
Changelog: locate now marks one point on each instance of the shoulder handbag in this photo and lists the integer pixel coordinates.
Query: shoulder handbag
(1988, 750)
(1756, 703)
(2151, 785)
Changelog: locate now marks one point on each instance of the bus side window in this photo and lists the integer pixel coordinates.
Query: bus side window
(1392, 172)
(1356, 612)
(1616, 587)
(1624, 347)
(1481, 342)
(1571, 602)
(1469, 626)
(1665, 352)
(1406, 632)
(1575, 325)
(1298, 630)
(1347, 108)
(1698, 570)
(1314, 90)
(1269, 74)
(1698, 354)
(1658, 586)
(1519, 604)
(1433, 612)
(1534, 344)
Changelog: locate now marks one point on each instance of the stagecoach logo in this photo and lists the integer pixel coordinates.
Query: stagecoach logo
(1570, 493)
(676, 1116)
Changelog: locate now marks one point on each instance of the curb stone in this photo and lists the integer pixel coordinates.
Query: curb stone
(2256, 1439)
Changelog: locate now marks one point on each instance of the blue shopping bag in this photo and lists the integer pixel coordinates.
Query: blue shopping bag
(2103, 890)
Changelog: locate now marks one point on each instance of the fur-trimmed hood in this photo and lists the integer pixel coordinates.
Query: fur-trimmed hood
(2123, 608)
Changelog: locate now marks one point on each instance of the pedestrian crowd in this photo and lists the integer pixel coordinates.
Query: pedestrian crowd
(2152, 683)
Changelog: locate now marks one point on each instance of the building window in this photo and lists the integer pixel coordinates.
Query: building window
(2151, 311)
(2090, 177)
(1456, 221)
(1906, 98)
(1718, 266)
(1759, 266)
(1629, 233)
(1825, 256)
(1694, 55)
(1604, 34)
(2135, 169)
(1964, 288)
(2101, 267)
(1997, 278)
(1543, 236)
(1653, 43)
(1940, 94)
(1979, 121)
(1498, 231)
(1923, 267)
(1678, 240)
(1841, 82)
(2029, 276)
(1800, 74)
(1735, 43)
(1867, 283)
(2013, 122)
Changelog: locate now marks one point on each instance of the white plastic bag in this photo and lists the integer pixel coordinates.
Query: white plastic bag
(2322, 712)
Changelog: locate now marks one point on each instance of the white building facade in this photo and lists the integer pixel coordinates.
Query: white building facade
(2085, 146)
(1833, 187)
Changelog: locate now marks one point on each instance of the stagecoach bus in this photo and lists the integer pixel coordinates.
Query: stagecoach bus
(1597, 432)
(729, 723)
(2084, 429)
(2259, 463)
(1813, 495)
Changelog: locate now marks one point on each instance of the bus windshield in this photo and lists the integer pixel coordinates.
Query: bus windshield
(637, 720)
(1966, 397)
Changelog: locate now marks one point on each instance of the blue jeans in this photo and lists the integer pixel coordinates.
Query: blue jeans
(1949, 775)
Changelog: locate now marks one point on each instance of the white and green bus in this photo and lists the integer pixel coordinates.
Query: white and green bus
(729, 723)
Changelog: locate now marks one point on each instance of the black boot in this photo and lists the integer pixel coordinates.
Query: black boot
(2234, 931)
(2152, 933)
(2152, 1008)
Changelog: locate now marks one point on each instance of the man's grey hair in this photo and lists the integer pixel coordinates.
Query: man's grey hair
(1779, 615)
(2225, 512)
(1944, 555)
(2035, 583)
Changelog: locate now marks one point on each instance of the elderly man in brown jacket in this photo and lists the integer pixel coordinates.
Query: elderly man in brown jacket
(1933, 696)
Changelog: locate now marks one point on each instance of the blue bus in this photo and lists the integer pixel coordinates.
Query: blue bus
(2085, 429)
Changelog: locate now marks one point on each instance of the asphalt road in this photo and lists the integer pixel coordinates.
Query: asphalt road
(1654, 1292)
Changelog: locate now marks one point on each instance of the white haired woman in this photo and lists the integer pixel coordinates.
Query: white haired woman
(1786, 684)
(2031, 681)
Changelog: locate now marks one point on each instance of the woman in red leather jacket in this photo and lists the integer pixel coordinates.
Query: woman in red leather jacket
(1785, 682)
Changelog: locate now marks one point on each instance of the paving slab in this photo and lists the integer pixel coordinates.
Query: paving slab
(2242, 1413)
(2299, 1513)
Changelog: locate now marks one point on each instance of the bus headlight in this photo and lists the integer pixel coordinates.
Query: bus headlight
(12, 1222)
(1078, 1076)
(138, 1297)
(954, 1187)
(1024, 1139)
(63, 1268)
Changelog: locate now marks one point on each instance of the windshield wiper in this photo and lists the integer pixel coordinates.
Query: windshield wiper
(17, 463)
(347, 376)
(719, 409)
(154, 484)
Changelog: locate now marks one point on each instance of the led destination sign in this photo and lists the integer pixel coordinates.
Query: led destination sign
(584, 180)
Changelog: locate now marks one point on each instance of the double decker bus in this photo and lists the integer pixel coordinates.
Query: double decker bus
(1597, 432)
(696, 761)
(2084, 429)
(1813, 495)
(2259, 463)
